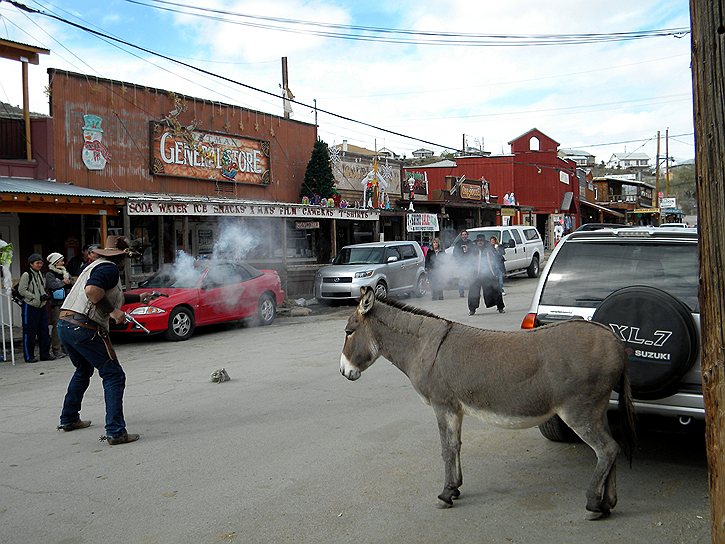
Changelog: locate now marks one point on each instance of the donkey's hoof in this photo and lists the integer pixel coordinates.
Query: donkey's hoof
(598, 511)
(445, 499)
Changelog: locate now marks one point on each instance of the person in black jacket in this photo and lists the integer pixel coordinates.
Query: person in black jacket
(500, 253)
(434, 260)
(484, 261)
(461, 253)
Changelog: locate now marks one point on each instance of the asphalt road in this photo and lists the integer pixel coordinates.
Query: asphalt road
(290, 451)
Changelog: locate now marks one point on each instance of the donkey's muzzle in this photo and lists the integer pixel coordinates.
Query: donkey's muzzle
(348, 370)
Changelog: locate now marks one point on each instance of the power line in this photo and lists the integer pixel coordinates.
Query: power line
(404, 36)
(97, 33)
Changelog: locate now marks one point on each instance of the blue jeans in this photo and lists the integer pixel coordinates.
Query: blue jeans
(87, 352)
(35, 324)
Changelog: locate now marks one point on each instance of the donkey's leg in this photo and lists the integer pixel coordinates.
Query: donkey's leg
(449, 427)
(602, 491)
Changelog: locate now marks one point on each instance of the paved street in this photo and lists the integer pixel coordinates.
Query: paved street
(290, 451)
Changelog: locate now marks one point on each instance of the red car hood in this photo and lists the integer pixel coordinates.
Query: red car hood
(176, 296)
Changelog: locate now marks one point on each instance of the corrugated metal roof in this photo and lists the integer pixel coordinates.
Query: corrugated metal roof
(48, 187)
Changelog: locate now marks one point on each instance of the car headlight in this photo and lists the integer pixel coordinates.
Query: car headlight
(147, 310)
(365, 274)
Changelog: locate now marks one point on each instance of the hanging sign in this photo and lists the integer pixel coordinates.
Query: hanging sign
(209, 155)
(422, 222)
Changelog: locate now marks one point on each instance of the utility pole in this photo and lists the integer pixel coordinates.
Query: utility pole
(667, 161)
(656, 199)
(708, 73)
(286, 94)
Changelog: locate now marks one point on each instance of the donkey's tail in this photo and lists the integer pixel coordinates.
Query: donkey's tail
(626, 414)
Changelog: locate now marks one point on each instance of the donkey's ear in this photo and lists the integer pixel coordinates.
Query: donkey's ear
(367, 299)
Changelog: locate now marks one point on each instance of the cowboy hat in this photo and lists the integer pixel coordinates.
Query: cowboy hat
(116, 245)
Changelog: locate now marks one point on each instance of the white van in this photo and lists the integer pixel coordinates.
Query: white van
(523, 245)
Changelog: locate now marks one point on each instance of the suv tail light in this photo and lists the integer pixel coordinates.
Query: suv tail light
(530, 321)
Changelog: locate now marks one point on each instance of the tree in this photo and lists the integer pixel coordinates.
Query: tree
(319, 179)
(708, 66)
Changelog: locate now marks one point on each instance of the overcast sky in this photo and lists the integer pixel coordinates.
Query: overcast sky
(604, 98)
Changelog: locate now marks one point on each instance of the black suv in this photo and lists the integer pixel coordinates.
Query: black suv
(643, 284)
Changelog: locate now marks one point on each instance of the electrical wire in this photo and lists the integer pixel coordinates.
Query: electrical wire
(403, 36)
(97, 33)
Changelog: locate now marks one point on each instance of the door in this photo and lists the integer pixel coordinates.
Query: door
(409, 270)
(394, 270)
(515, 249)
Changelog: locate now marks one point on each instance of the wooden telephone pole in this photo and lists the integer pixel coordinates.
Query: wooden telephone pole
(708, 69)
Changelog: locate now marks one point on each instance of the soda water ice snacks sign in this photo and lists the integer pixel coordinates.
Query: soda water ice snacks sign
(209, 155)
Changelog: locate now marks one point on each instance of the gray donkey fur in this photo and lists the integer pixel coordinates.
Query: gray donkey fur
(513, 379)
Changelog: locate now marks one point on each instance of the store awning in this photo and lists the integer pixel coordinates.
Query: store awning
(602, 209)
(21, 195)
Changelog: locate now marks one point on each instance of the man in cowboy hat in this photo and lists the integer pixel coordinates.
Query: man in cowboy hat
(97, 297)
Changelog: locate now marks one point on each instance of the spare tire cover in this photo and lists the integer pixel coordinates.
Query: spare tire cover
(660, 335)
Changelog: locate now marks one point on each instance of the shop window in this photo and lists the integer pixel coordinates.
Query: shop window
(144, 239)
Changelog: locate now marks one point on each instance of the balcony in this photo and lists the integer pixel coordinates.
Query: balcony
(13, 161)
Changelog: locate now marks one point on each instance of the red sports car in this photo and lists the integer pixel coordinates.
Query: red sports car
(202, 293)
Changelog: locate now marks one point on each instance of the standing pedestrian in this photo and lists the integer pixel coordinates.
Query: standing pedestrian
(500, 254)
(34, 309)
(57, 284)
(94, 300)
(77, 263)
(434, 261)
(484, 278)
(461, 253)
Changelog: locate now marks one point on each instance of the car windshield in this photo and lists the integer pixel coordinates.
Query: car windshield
(473, 234)
(585, 272)
(360, 255)
(174, 277)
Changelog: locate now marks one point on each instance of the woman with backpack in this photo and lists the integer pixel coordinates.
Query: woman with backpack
(57, 284)
(31, 288)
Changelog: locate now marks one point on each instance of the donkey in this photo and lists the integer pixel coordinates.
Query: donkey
(514, 380)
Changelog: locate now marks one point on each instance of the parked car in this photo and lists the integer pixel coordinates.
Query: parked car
(642, 282)
(673, 226)
(523, 245)
(597, 226)
(390, 268)
(203, 293)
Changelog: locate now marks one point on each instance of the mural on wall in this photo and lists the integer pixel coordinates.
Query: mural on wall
(350, 171)
(95, 153)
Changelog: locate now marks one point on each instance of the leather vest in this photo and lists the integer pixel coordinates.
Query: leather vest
(77, 301)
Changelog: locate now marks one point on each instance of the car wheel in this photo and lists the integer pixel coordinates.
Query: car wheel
(181, 324)
(267, 310)
(381, 290)
(534, 268)
(422, 286)
(556, 430)
(660, 335)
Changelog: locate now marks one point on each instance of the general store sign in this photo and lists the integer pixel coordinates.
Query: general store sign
(248, 209)
(209, 155)
(422, 222)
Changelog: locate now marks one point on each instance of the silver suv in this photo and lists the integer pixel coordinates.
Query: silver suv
(643, 284)
(390, 268)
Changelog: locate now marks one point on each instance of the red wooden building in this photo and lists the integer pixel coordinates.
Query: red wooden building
(545, 187)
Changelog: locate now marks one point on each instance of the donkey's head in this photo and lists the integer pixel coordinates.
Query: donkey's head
(361, 348)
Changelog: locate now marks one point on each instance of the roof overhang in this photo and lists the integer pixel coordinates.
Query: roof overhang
(21, 52)
(601, 208)
(21, 195)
